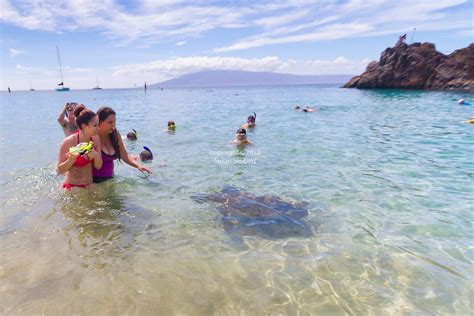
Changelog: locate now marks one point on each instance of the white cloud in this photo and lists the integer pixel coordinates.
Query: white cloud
(34, 70)
(338, 66)
(78, 69)
(264, 22)
(181, 43)
(341, 60)
(360, 18)
(150, 22)
(333, 31)
(50, 72)
(273, 21)
(15, 52)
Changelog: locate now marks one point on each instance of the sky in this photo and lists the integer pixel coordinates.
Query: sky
(122, 44)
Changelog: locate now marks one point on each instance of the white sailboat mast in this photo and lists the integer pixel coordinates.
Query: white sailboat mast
(60, 67)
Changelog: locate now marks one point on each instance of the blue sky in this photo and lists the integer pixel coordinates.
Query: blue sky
(124, 43)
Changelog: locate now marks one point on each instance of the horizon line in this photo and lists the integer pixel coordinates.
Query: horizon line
(183, 87)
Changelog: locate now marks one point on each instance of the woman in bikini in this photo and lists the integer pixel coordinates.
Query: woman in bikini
(76, 166)
(112, 147)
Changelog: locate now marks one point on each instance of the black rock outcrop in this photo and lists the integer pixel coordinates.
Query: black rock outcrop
(419, 66)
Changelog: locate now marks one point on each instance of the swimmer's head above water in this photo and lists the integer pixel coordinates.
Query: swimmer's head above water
(132, 135)
(146, 155)
(241, 134)
(251, 120)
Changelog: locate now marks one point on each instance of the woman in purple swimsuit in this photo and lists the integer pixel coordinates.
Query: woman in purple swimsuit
(112, 147)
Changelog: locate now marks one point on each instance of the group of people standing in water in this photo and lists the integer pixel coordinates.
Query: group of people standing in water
(95, 165)
(93, 143)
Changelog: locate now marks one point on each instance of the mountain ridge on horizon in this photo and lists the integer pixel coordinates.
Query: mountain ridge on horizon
(229, 78)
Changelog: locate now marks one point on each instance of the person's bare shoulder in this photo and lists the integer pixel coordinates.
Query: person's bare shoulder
(69, 141)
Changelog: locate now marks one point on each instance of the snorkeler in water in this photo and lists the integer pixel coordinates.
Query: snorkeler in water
(132, 135)
(250, 121)
(146, 155)
(470, 121)
(171, 126)
(308, 109)
(241, 137)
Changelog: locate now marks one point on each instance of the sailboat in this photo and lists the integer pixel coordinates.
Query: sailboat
(97, 86)
(62, 88)
(31, 87)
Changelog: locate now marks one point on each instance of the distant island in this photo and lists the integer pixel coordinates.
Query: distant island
(419, 66)
(233, 78)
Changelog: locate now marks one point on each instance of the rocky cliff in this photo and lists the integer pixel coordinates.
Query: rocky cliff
(419, 66)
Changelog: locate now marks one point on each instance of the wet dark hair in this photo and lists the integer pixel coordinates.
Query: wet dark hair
(132, 136)
(103, 113)
(171, 123)
(297, 107)
(83, 115)
(241, 131)
(146, 155)
(252, 118)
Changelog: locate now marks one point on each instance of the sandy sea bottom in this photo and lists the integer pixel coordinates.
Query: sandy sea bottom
(387, 174)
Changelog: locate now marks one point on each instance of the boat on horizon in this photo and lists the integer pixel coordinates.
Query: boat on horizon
(97, 87)
(62, 88)
(31, 87)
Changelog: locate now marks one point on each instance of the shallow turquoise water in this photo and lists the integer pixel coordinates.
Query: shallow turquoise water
(388, 174)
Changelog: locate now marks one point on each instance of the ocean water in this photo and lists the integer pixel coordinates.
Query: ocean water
(388, 176)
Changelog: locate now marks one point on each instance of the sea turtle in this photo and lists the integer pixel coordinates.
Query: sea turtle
(248, 214)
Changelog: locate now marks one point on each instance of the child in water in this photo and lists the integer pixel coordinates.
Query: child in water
(241, 137)
(132, 135)
(146, 155)
(250, 121)
(171, 126)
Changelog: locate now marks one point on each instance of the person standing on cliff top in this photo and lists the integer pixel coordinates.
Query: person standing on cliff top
(401, 39)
